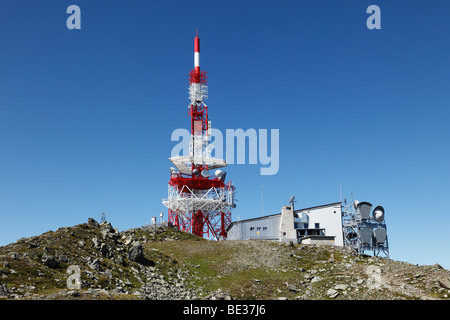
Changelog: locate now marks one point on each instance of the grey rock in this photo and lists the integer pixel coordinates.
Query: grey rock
(331, 293)
(96, 243)
(14, 255)
(105, 232)
(4, 292)
(119, 260)
(444, 282)
(93, 223)
(136, 252)
(94, 265)
(308, 276)
(32, 245)
(50, 261)
(62, 258)
(218, 295)
(107, 226)
(341, 287)
(108, 274)
(292, 287)
(104, 250)
(73, 293)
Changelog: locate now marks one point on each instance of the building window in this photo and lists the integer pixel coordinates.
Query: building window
(305, 225)
(317, 225)
(264, 228)
(259, 228)
(252, 228)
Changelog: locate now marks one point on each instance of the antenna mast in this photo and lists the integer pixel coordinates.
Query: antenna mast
(198, 202)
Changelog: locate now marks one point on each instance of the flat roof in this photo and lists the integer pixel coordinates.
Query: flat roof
(277, 214)
(318, 237)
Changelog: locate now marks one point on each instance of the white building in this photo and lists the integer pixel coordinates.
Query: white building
(320, 224)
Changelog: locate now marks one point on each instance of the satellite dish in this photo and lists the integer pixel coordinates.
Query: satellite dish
(378, 214)
(220, 174)
(355, 204)
(205, 173)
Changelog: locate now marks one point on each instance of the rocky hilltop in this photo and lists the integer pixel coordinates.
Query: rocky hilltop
(96, 261)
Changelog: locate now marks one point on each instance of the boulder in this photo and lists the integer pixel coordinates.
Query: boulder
(292, 287)
(136, 252)
(50, 261)
(444, 282)
(341, 287)
(331, 293)
(4, 292)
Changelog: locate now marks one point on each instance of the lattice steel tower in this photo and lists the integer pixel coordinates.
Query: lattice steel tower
(198, 202)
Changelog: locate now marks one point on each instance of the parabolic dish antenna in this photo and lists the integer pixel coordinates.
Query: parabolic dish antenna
(378, 214)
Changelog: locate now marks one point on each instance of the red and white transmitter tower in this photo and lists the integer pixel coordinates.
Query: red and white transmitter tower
(198, 202)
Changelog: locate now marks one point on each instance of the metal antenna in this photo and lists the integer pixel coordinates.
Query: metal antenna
(292, 200)
(351, 193)
(262, 201)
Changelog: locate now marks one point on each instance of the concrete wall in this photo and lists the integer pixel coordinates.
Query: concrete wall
(318, 241)
(328, 218)
(287, 231)
(260, 228)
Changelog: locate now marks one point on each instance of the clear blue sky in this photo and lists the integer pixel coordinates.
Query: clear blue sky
(86, 115)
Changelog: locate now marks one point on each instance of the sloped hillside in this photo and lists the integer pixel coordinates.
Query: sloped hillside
(165, 263)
